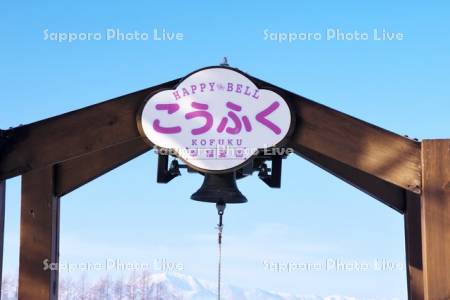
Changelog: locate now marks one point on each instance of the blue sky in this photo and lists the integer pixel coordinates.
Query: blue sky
(399, 85)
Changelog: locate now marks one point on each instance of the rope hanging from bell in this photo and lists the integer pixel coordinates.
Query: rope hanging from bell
(220, 210)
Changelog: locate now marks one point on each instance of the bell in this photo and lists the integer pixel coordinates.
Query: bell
(219, 188)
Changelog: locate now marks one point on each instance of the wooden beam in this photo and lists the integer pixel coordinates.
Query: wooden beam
(413, 245)
(358, 144)
(2, 227)
(353, 142)
(74, 173)
(73, 134)
(436, 219)
(39, 236)
(381, 190)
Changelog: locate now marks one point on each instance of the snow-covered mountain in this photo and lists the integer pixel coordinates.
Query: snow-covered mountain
(155, 286)
(184, 287)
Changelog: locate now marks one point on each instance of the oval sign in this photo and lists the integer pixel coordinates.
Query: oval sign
(216, 119)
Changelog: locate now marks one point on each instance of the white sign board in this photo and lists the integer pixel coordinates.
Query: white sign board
(215, 119)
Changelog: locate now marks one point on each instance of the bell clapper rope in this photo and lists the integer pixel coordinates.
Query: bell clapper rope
(220, 210)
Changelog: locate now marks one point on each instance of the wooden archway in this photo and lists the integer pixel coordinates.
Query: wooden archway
(57, 155)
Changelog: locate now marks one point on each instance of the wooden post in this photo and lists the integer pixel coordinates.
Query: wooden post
(435, 215)
(2, 227)
(39, 236)
(413, 245)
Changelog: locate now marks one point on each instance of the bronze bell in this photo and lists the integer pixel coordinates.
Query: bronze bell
(219, 188)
